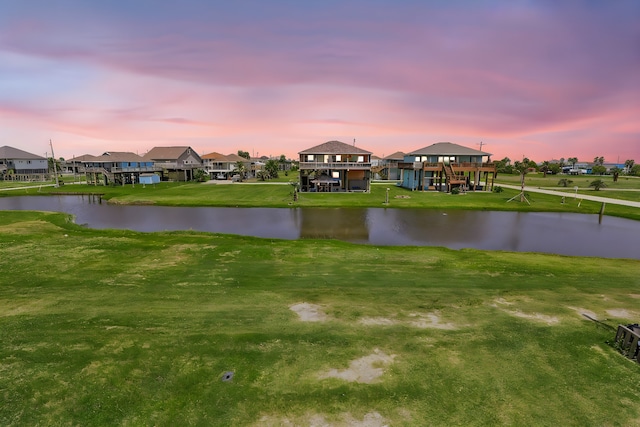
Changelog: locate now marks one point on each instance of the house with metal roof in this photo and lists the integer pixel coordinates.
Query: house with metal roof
(176, 163)
(333, 167)
(20, 165)
(445, 165)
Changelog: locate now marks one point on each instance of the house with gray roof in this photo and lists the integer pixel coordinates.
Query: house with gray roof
(445, 165)
(389, 165)
(177, 163)
(19, 165)
(335, 166)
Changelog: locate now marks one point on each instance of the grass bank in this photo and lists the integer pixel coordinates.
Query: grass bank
(280, 195)
(123, 328)
(581, 181)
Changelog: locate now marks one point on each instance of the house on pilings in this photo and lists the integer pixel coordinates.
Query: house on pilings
(178, 163)
(115, 168)
(444, 166)
(335, 167)
(19, 165)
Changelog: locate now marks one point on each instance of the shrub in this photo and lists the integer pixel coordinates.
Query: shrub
(498, 189)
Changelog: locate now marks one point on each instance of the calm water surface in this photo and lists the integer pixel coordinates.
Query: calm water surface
(559, 233)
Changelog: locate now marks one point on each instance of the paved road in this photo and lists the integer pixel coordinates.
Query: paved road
(573, 194)
(27, 186)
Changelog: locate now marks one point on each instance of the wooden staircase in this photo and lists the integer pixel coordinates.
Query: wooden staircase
(452, 178)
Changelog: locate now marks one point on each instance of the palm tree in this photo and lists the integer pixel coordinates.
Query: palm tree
(522, 168)
(616, 172)
(564, 182)
(597, 184)
(241, 169)
(545, 168)
(628, 164)
(573, 161)
(271, 167)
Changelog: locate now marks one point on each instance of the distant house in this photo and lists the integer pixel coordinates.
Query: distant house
(75, 164)
(335, 166)
(115, 167)
(176, 163)
(444, 165)
(20, 165)
(219, 166)
(389, 165)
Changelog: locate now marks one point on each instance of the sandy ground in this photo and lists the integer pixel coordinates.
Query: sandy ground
(372, 419)
(366, 370)
(309, 312)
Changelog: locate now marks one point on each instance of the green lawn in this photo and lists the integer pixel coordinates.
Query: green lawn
(582, 181)
(123, 328)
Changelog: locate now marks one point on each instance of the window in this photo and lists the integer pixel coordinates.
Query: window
(335, 175)
(310, 157)
(360, 159)
(338, 157)
(417, 159)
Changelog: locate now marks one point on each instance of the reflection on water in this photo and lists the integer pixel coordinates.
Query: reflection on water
(342, 224)
(560, 233)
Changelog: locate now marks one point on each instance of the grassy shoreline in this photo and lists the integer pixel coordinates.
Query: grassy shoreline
(279, 195)
(117, 327)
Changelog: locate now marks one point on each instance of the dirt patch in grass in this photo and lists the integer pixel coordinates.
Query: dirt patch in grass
(377, 321)
(309, 312)
(429, 320)
(549, 320)
(372, 419)
(620, 313)
(584, 312)
(366, 370)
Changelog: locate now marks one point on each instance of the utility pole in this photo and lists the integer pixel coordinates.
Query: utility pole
(55, 167)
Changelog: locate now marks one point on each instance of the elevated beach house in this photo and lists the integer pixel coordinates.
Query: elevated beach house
(115, 167)
(18, 165)
(444, 165)
(176, 163)
(389, 165)
(335, 166)
(220, 166)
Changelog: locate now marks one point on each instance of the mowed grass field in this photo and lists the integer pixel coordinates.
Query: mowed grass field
(626, 188)
(121, 328)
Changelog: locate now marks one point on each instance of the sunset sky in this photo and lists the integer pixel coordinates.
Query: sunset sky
(541, 79)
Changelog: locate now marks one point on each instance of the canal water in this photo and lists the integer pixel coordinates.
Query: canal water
(557, 233)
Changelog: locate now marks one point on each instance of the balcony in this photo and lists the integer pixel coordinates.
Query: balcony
(335, 165)
(99, 169)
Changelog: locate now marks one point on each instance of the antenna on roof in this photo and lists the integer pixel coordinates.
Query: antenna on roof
(481, 143)
(354, 142)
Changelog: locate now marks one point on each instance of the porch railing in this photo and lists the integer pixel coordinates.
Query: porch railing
(335, 165)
